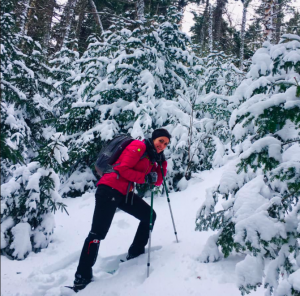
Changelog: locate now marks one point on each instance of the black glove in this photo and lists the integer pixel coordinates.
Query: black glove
(151, 178)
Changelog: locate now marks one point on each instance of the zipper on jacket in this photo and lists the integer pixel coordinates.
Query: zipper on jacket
(148, 164)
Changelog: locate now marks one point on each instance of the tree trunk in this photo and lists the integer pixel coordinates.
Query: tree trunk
(81, 13)
(210, 29)
(69, 18)
(30, 16)
(36, 20)
(23, 16)
(245, 6)
(279, 18)
(140, 9)
(181, 5)
(66, 23)
(96, 15)
(203, 27)
(218, 16)
(268, 20)
(47, 24)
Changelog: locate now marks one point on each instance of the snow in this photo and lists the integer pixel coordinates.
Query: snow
(21, 240)
(274, 148)
(289, 131)
(251, 218)
(60, 151)
(250, 271)
(230, 179)
(218, 158)
(78, 181)
(210, 251)
(292, 153)
(289, 36)
(41, 102)
(23, 66)
(42, 235)
(155, 78)
(5, 225)
(16, 90)
(294, 280)
(176, 268)
(261, 62)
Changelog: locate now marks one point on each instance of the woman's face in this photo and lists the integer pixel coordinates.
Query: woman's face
(160, 144)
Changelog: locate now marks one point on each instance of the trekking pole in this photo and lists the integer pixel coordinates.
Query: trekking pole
(162, 173)
(150, 231)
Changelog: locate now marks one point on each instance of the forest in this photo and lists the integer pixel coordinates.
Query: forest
(76, 73)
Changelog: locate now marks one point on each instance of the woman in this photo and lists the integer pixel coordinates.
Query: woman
(137, 164)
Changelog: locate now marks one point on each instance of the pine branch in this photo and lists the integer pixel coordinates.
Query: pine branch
(293, 141)
(117, 16)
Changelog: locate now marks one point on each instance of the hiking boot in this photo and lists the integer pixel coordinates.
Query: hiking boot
(80, 282)
(135, 251)
(131, 255)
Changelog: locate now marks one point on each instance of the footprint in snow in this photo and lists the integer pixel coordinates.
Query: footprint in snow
(122, 224)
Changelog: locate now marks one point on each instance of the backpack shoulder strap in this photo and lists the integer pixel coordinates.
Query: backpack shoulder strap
(144, 155)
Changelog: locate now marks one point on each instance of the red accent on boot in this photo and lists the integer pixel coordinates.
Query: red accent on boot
(95, 241)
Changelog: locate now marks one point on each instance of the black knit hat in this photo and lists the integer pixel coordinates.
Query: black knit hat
(160, 132)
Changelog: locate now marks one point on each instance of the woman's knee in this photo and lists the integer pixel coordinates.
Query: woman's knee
(146, 218)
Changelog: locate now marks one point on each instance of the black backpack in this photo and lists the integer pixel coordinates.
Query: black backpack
(110, 154)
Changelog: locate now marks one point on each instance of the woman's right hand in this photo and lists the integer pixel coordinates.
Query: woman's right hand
(151, 178)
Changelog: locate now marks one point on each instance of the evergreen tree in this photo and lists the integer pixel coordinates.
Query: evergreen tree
(292, 26)
(35, 19)
(29, 180)
(223, 36)
(253, 38)
(64, 69)
(220, 76)
(79, 19)
(260, 216)
(129, 84)
(12, 146)
(218, 82)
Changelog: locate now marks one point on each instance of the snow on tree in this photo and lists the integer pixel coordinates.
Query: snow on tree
(73, 121)
(220, 74)
(29, 182)
(129, 83)
(259, 193)
(64, 69)
(216, 83)
(12, 147)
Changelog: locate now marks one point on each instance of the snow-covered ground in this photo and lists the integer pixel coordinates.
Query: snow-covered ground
(175, 268)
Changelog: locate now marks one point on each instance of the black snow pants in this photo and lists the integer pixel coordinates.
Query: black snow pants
(107, 201)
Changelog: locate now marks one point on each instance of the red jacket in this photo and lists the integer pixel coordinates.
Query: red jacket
(132, 169)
